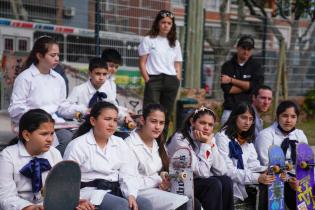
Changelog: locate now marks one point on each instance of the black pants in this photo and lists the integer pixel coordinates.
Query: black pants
(215, 192)
(289, 196)
(161, 89)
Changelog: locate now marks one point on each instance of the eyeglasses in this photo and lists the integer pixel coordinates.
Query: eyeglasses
(203, 109)
(166, 14)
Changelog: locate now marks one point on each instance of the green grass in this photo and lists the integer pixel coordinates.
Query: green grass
(309, 129)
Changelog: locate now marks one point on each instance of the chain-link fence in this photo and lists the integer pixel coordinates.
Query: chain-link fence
(124, 22)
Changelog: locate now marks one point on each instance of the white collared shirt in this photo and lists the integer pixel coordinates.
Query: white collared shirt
(259, 123)
(161, 57)
(79, 98)
(16, 189)
(112, 164)
(148, 162)
(273, 136)
(33, 89)
(206, 160)
(110, 85)
(252, 167)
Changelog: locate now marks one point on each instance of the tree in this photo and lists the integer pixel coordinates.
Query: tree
(301, 43)
(222, 46)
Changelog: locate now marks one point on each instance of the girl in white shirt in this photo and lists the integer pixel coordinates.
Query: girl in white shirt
(39, 86)
(160, 63)
(20, 185)
(212, 188)
(107, 176)
(150, 159)
(283, 133)
(234, 144)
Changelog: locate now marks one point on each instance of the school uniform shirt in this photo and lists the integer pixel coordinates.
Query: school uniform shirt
(161, 57)
(273, 136)
(111, 164)
(206, 159)
(80, 97)
(149, 164)
(33, 89)
(240, 177)
(16, 189)
(110, 85)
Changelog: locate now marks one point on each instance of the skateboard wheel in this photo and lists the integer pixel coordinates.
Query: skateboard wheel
(288, 167)
(182, 176)
(78, 115)
(130, 126)
(276, 169)
(303, 165)
(164, 174)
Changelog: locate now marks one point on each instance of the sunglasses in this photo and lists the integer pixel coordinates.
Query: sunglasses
(166, 14)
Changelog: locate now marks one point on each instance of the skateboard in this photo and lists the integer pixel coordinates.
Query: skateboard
(276, 167)
(181, 175)
(305, 175)
(62, 186)
(124, 130)
(67, 125)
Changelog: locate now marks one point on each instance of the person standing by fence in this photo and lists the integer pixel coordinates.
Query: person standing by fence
(240, 76)
(160, 63)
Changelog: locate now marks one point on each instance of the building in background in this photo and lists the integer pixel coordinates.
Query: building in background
(124, 22)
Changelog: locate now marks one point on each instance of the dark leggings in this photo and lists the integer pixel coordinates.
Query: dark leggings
(215, 192)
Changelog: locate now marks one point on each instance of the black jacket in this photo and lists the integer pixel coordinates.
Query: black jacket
(251, 71)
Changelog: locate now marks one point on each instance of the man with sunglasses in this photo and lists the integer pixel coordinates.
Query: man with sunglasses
(240, 76)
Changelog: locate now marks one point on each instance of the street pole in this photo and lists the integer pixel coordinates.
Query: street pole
(97, 28)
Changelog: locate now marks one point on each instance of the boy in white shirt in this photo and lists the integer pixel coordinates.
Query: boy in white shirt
(84, 96)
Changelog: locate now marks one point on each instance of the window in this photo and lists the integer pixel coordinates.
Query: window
(22, 45)
(8, 44)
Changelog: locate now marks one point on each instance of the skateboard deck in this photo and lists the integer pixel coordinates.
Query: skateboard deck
(62, 186)
(181, 175)
(305, 175)
(276, 189)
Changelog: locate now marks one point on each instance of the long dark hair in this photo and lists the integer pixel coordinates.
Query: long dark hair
(194, 116)
(230, 126)
(41, 46)
(154, 31)
(95, 112)
(31, 121)
(160, 140)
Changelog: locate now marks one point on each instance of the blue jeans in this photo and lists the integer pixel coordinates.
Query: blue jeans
(112, 202)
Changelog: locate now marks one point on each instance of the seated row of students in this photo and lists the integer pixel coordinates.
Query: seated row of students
(134, 175)
(233, 141)
(39, 86)
(113, 177)
(232, 153)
